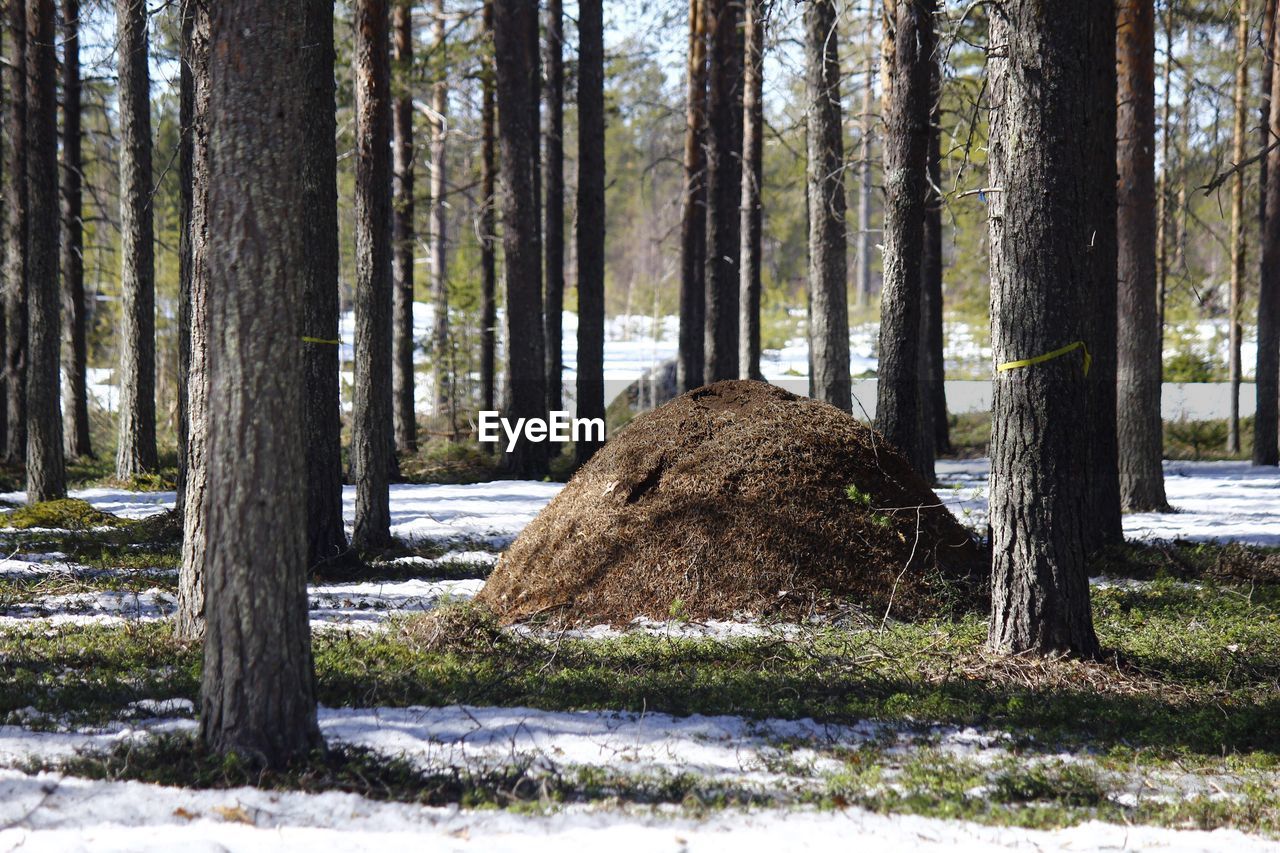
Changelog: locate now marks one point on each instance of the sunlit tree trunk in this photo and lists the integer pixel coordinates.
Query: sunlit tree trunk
(75, 394)
(752, 179)
(1237, 238)
(691, 364)
(403, 236)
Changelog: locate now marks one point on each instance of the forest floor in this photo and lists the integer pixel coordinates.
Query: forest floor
(446, 728)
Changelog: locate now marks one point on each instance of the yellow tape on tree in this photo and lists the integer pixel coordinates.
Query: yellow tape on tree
(1049, 356)
(310, 340)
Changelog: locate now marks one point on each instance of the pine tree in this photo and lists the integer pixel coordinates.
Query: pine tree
(403, 236)
(590, 217)
(75, 396)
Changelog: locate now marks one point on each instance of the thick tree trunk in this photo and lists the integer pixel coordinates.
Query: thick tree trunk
(590, 217)
(1265, 448)
(371, 434)
(326, 536)
(136, 447)
(825, 191)
(75, 394)
(402, 344)
(440, 360)
(488, 222)
(1039, 225)
(194, 274)
(866, 133)
(18, 225)
(752, 179)
(1138, 363)
(46, 475)
(934, 436)
(691, 364)
(257, 693)
(553, 187)
(1237, 238)
(906, 149)
(515, 24)
(724, 186)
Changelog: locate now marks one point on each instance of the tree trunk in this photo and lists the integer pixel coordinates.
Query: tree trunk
(591, 214)
(1166, 169)
(488, 222)
(257, 693)
(1139, 425)
(866, 133)
(825, 192)
(1237, 238)
(46, 476)
(553, 186)
(75, 394)
(1039, 222)
(724, 186)
(136, 449)
(935, 436)
(515, 51)
(326, 536)
(439, 266)
(194, 275)
(906, 152)
(691, 364)
(18, 225)
(6, 145)
(752, 180)
(371, 434)
(1265, 448)
(402, 345)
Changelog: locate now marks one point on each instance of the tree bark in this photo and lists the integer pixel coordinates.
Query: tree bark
(18, 226)
(1166, 169)
(553, 187)
(752, 180)
(591, 216)
(1237, 237)
(371, 434)
(136, 447)
(402, 344)
(1138, 422)
(898, 392)
(1039, 226)
(515, 24)
(488, 221)
(866, 134)
(1266, 451)
(724, 186)
(75, 394)
(46, 475)
(194, 275)
(691, 364)
(326, 535)
(825, 191)
(439, 267)
(935, 436)
(257, 693)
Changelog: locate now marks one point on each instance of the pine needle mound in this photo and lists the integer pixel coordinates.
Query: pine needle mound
(739, 499)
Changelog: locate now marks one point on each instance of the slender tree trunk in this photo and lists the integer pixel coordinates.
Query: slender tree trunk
(1237, 238)
(439, 244)
(6, 145)
(488, 221)
(590, 217)
(553, 185)
(866, 134)
(136, 448)
(258, 695)
(1044, 98)
(516, 64)
(46, 475)
(691, 364)
(402, 345)
(752, 180)
(1139, 426)
(724, 186)
(1264, 125)
(898, 414)
(1265, 448)
(1166, 169)
(371, 434)
(194, 274)
(933, 400)
(18, 222)
(825, 191)
(322, 421)
(75, 395)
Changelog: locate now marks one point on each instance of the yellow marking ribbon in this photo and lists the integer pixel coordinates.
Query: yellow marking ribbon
(306, 339)
(1049, 356)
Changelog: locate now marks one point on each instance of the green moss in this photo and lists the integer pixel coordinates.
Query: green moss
(64, 514)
